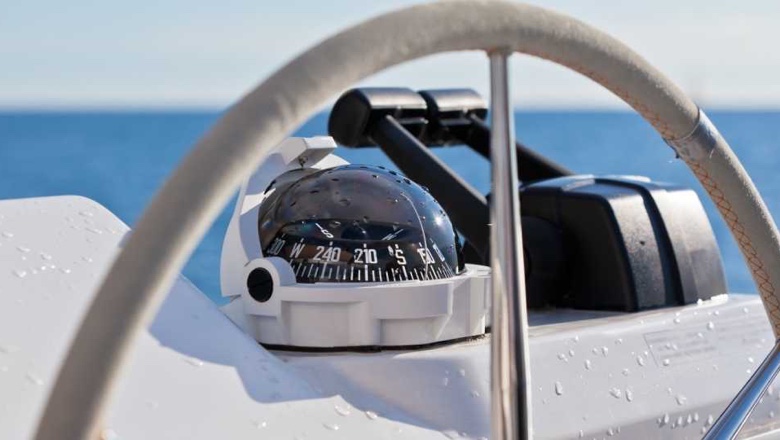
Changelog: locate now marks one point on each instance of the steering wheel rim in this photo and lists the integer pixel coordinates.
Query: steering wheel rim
(191, 199)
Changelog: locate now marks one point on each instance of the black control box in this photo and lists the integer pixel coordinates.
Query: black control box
(617, 243)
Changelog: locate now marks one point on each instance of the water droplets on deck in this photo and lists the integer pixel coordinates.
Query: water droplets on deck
(193, 361)
(9, 349)
(34, 379)
(343, 410)
(331, 426)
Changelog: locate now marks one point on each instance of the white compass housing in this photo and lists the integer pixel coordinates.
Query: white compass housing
(388, 311)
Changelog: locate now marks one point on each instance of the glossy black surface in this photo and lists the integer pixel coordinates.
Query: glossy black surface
(357, 223)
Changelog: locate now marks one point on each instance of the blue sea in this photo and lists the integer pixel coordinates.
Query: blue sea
(120, 159)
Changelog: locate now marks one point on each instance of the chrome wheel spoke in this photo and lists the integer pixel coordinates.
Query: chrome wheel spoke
(510, 381)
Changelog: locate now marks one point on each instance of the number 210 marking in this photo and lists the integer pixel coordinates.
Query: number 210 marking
(366, 256)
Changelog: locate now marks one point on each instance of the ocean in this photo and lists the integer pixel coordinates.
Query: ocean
(120, 159)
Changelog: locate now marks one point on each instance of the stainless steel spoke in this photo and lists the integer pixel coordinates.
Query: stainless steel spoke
(730, 422)
(510, 381)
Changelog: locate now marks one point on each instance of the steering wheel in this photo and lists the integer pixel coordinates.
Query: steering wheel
(190, 200)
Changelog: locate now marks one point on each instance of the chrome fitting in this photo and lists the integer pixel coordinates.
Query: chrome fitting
(700, 143)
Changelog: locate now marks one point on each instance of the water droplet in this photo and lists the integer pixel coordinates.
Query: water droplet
(474, 393)
(562, 357)
(610, 432)
(626, 372)
(20, 273)
(8, 235)
(194, 362)
(666, 362)
(582, 433)
(681, 399)
(710, 420)
(663, 420)
(451, 434)
(604, 351)
(22, 249)
(618, 341)
(588, 364)
(260, 424)
(575, 339)
(462, 372)
(64, 270)
(616, 393)
(343, 410)
(571, 353)
(689, 419)
(371, 415)
(679, 421)
(331, 426)
(751, 360)
(771, 414)
(710, 325)
(87, 259)
(8, 349)
(640, 361)
(32, 378)
(108, 434)
(445, 381)
(745, 310)
(558, 388)
(629, 395)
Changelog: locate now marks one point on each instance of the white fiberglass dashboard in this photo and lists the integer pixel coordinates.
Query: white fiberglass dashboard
(195, 375)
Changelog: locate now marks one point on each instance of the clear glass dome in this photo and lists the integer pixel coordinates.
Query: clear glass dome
(357, 223)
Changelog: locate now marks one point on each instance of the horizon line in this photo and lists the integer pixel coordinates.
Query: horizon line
(215, 109)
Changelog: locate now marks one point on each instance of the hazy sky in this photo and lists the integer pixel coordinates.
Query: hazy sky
(178, 53)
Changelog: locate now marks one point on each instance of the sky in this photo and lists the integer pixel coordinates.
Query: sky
(206, 54)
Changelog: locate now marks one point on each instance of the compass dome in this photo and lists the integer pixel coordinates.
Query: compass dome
(357, 223)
